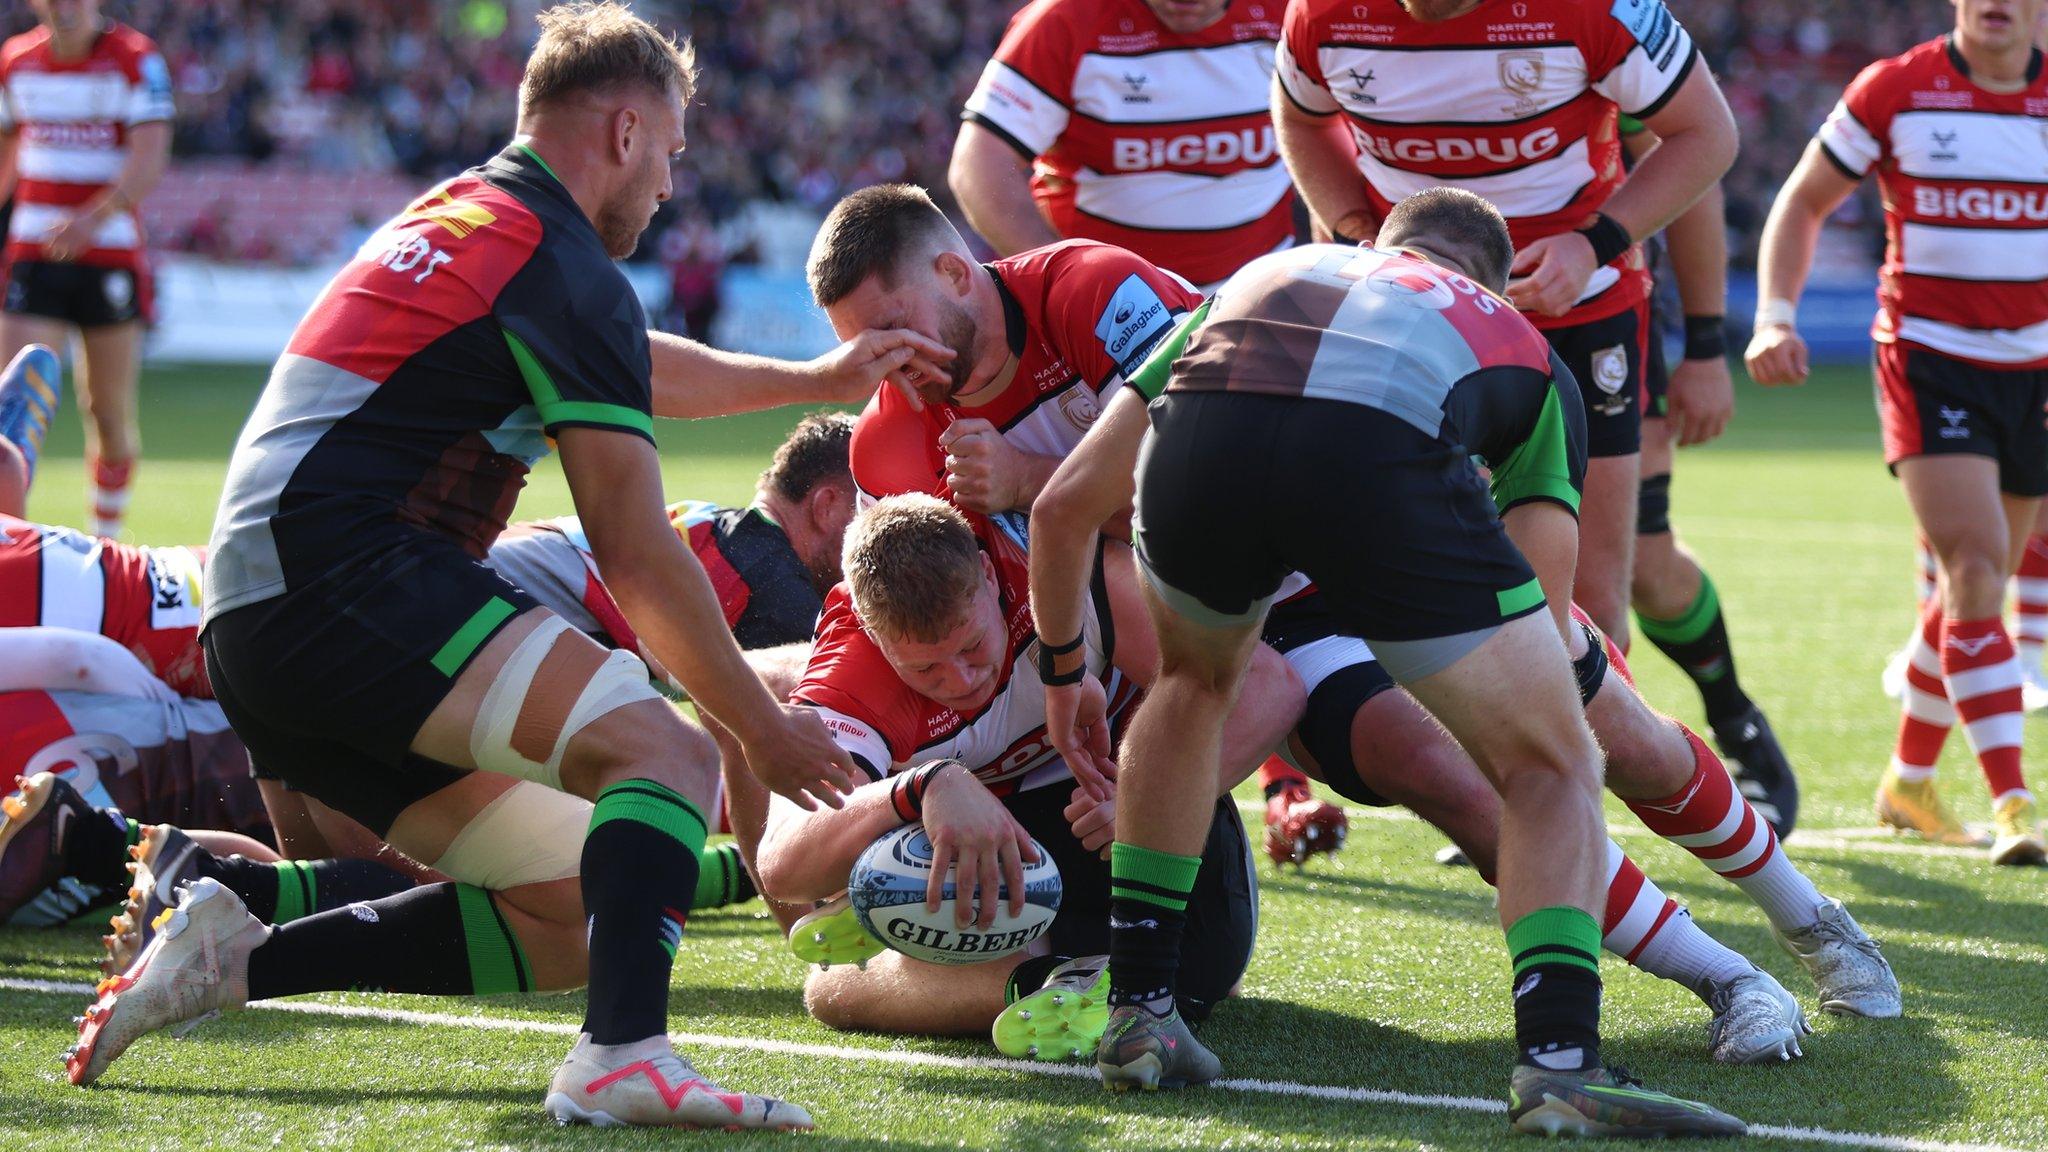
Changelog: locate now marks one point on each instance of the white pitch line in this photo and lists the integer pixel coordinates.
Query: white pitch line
(1288, 1088)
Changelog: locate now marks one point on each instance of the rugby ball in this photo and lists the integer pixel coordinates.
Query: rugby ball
(887, 890)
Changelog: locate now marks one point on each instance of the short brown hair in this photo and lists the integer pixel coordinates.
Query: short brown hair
(870, 233)
(600, 46)
(815, 453)
(1465, 226)
(913, 566)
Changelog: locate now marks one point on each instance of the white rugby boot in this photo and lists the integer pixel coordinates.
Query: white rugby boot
(646, 1084)
(1848, 971)
(1756, 1021)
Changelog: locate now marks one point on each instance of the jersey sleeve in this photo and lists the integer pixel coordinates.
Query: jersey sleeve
(1637, 54)
(1151, 377)
(580, 342)
(1106, 309)
(1854, 133)
(895, 450)
(149, 90)
(1299, 67)
(63, 659)
(865, 706)
(1023, 92)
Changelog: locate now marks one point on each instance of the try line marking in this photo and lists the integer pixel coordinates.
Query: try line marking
(1285, 1088)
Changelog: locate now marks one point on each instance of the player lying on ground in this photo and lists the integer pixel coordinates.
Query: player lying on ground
(375, 474)
(1314, 401)
(925, 672)
(1045, 337)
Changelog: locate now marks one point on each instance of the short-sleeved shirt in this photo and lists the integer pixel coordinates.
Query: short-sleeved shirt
(425, 382)
(1513, 101)
(1964, 178)
(1158, 141)
(144, 599)
(73, 119)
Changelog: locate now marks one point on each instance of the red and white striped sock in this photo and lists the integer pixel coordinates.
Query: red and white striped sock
(1927, 581)
(109, 494)
(1983, 678)
(1925, 714)
(1649, 930)
(2030, 604)
(1711, 820)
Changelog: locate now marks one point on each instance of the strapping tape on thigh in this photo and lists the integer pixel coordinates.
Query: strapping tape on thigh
(529, 835)
(552, 686)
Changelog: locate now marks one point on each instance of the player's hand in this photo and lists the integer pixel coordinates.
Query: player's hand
(1093, 820)
(799, 761)
(1550, 274)
(1077, 723)
(851, 372)
(1700, 400)
(1776, 356)
(985, 471)
(70, 237)
(984, 846)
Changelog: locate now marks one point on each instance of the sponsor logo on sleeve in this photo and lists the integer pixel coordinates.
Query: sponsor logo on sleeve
(156, 78)
(1134, 318)
(1648, 21)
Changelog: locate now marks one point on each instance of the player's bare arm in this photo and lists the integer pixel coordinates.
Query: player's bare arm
(1319, 151)
(149, 153)
(10, 162)
(987, 473)
(1776, 354)
(992, 181)
(1700, 398)
(1699, 140)
(659, 584)
(693, 380)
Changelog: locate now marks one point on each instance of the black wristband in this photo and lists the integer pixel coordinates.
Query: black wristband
(1608, 237)
(1046, 654)
(1706, 338)
(906, 792)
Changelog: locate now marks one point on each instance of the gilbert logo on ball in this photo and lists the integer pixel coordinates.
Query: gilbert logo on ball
(887, 889)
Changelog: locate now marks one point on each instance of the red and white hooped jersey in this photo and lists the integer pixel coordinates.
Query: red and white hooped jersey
(73, 118)
(1081, 316)
(873, 714)
(1964, 177)
(1514, 100)
(144, 599)
(1154, 140)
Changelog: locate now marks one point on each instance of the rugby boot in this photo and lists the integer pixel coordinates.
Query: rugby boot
(165, 861)
(195, 968)
(2033, 688)
(1140, 1050)
(832, 934)
(1756, 1021)
(36, 824)
(1762, 774)
(1916, 807)
(1606, 1102)
(1848, 971)
(2016, 832)
(30, 387)
(1299, 826)
(1893, 679)
(646, 1084)
(1064, 1020)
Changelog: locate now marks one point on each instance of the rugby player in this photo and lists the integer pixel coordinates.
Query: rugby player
(368, 658)
(1518, 102)
(1949, 128)
(85, 133)
(1406, 548)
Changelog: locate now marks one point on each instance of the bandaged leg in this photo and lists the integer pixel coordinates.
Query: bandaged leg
(556, 683)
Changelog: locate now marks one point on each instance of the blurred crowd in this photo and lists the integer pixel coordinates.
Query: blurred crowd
(801, 102)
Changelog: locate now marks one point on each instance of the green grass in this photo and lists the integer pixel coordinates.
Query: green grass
(1375, 970)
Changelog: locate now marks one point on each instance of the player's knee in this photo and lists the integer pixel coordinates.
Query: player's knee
(1973, 582)
(834, 997)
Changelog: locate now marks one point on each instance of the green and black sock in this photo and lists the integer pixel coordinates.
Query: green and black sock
(1556, 954)
(1697, 641)
(434, 940)
(1148, 909)
(640, 864)
(722, 879)
(288, 890)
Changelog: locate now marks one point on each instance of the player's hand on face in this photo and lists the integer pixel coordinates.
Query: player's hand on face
(1776, 356)
(985, 472)
(1093, 820)
(1700, 400)
(1077, 723)
(798, 760)
(973, 832)
(852, 371)
(1550, 274)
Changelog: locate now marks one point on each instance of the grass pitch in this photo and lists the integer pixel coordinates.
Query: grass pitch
(1379, 977)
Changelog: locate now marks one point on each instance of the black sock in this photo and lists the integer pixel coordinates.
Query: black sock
(290, 890)
(1697, 641)
(1556, 955)
(639, 876)
(1148, 901)
(434, 940)
(96, 850)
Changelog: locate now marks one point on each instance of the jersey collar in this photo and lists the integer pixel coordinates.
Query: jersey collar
(1955, 59)
(1015, 330)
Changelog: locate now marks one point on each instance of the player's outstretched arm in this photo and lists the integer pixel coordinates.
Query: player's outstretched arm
(1324, 163)
(693, 380)
(992, 181)
(806, 855)
(1776, 354)
(615, 478)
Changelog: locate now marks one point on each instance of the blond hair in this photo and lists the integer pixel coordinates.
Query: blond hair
(601, 46)
(913, 566)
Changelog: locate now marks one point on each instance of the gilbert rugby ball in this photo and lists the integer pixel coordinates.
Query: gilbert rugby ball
(887, 890)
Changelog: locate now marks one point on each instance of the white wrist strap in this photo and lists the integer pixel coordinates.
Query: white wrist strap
(1770, 313)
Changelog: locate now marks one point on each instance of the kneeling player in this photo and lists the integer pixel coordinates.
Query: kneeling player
(924, 670)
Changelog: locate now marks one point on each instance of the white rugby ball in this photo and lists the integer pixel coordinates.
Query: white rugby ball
(887, 889)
